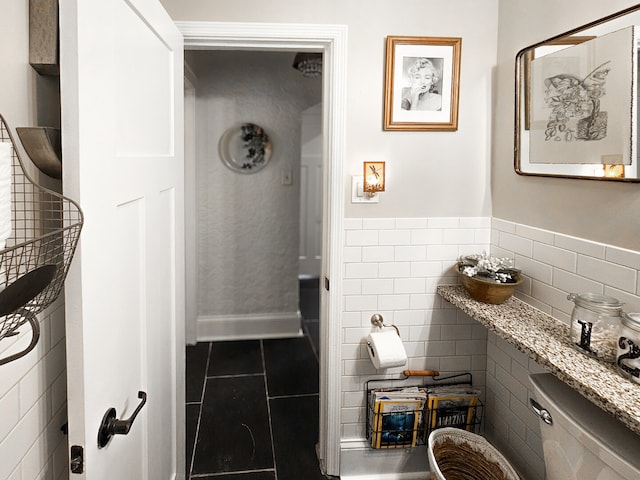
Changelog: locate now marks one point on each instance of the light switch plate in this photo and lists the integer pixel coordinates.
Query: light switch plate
(357, 195)
(287, 177)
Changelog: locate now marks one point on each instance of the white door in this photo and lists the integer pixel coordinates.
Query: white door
(122, 127)
(310, 252)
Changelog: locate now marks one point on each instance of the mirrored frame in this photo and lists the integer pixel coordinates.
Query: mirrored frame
(523, 164)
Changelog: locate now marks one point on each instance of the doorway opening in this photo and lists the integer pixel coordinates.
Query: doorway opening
(250, 205)
(331, 41)
(252, 348)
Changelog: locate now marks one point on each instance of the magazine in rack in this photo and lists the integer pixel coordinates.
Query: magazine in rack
(452, 406)
(397, 416)
(404, 416)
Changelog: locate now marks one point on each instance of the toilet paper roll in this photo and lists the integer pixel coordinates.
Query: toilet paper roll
(386, 349)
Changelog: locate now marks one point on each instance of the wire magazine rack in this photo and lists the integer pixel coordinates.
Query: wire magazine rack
(392, 422)
(45, 228)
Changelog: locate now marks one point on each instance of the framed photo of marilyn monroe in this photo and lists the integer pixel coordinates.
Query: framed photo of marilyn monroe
(422, 83)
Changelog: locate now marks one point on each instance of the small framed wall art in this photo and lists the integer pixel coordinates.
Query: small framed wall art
(245, 148)
(422, 83)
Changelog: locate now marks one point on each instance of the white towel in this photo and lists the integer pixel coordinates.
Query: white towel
(6, 149)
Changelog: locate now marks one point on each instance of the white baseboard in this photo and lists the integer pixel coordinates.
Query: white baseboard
(358, 461)
(249, 326)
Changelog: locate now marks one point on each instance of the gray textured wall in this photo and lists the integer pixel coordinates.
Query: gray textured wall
(248, 224)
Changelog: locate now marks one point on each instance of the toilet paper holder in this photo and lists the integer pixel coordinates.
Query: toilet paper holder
(378, 321)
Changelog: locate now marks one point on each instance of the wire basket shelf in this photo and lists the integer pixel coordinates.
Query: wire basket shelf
(45, 228)
(392, 422)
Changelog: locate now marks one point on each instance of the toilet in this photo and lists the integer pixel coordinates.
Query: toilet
(580, 440)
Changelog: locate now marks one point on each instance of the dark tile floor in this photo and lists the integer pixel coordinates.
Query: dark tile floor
(310, 310)
(252, 406)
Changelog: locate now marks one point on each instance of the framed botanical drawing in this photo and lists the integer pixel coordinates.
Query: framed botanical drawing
(422, 83)
(531, 54)
(581, 101)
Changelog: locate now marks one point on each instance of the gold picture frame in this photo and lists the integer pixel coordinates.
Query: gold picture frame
(422, 83)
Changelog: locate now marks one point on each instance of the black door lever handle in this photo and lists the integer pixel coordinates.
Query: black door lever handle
(111, 426)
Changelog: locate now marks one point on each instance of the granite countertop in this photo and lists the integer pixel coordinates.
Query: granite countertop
(546, 340)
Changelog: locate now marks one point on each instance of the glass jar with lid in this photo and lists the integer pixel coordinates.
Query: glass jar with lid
(629, 346)
(595, 324)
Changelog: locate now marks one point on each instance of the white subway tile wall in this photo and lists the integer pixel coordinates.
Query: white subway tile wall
(559, 264)
(555, 265)
(33, 403)
(393, 266)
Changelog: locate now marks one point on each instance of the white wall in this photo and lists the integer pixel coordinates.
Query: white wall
(426, 171)
(248, 224)
(33, 388)
(595, 210)
(18, 79)
(33, 402)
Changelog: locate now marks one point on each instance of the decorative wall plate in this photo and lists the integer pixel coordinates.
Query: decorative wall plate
(245, 148)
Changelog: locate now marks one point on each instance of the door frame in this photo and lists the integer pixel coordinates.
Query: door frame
(331, 40)
(190, 207)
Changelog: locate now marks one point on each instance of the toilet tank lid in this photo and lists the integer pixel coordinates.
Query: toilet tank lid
(602, 427)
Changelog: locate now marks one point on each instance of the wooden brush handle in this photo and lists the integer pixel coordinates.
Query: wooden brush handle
(420, 373)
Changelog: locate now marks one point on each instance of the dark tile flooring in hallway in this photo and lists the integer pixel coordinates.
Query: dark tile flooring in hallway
(252, 405)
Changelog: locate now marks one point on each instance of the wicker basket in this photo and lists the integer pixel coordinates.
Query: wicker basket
(487, 291)
(455, 454)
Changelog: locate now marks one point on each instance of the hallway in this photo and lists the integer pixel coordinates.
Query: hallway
(252, 405)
